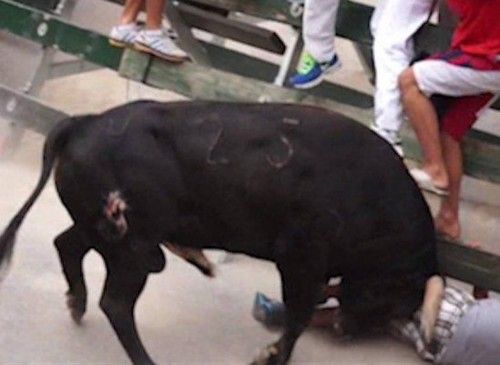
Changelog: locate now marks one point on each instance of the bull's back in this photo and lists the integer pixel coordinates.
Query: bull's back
(248, 168)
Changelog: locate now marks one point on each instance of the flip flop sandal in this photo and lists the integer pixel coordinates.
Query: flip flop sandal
(425, 182)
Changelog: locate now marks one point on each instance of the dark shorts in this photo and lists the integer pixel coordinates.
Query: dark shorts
(458, 114)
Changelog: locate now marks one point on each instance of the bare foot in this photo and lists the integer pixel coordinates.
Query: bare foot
(438, 175)
(447, 225)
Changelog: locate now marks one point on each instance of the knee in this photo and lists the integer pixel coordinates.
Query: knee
(407, 81)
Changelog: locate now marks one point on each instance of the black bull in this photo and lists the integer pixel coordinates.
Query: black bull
(317, 194)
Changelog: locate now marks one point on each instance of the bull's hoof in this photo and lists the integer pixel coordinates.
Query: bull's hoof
(268, 356)
(77, 307)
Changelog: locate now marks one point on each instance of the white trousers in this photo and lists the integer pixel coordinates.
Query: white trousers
(393, 24)
(441, 77)
(319, 28)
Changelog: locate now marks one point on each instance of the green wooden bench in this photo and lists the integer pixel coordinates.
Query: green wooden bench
(481, 150)
(225, 74)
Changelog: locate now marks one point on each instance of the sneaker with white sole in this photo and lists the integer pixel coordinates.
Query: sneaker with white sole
(390, 136)
(311, 72)
(158, 43)
(124, 35)
(172, 34)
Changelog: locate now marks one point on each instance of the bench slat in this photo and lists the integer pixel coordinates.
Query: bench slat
(350, 13)
(45, 5)
(481, 150)
(232, 29)
(207, 83)
(469, 265)
(28, 111)
(52, 31)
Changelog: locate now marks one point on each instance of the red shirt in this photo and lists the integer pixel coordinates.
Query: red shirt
(478, 32)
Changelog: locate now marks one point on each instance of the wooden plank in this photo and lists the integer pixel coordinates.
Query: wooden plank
(231, 61)
(200, 82)
(481, 150)
(232, 29)
(28, 111)
(52, 31)
(469, 265)
(278, 10)
(45, 5)
(350, 13)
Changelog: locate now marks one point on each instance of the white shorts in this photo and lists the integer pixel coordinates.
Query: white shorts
(440, 77)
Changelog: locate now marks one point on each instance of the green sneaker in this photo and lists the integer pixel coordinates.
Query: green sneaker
(310, 72)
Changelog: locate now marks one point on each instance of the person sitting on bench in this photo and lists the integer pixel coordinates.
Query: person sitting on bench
(393, 24)
(469, 75)
(151, 38)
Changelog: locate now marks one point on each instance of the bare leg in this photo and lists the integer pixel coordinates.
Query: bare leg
(300, 297)
(130, 11)
(447, 219)
(72, 247)
(154, 11)
(424, 120)
(124, 284)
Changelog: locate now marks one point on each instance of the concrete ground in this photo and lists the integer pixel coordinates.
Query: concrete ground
(183, 318)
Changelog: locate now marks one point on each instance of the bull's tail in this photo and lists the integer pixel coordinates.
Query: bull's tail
(434, 291)
(53, 144)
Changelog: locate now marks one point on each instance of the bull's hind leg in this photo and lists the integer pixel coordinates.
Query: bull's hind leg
(302, 270)
(124, 283)
(72, 247)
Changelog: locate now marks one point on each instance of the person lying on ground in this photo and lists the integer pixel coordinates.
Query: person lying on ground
(465, 333)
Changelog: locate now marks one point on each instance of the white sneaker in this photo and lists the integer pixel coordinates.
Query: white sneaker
(159, 44)
(390, 136)
(124, 35)
(171, 33)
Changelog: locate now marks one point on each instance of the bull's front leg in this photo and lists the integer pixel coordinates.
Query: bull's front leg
(124, 283)
(302, 278)
(72, 246)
